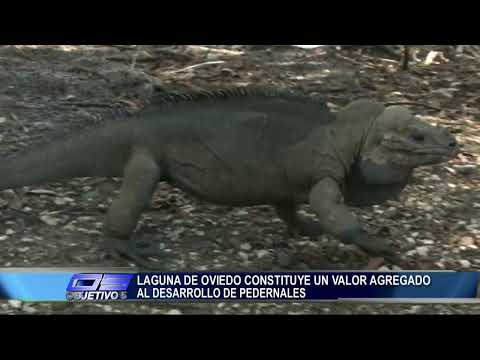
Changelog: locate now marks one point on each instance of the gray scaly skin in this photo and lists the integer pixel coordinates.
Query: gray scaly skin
(247, 147)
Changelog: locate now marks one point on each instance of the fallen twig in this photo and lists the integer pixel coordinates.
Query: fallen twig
(214, 50)
(409, 103)
(24, 214)
(85, 104)
(124, 47)
(194, 67)
(152, 56)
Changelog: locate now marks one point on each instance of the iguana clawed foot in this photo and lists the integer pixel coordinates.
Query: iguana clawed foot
(298, 225)
(380, 248)
(374, 246)
(121, 249)
(305, 227)
(302, 226)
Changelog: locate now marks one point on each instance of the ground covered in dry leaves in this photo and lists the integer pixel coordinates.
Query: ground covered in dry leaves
(50, 91)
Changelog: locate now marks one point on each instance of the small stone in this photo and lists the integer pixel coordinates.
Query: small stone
(427, 242)
(461, 225)
(16, 304)
(415, 309)
(440, 264)
(246, 247)
(3, 238)
(29, 309)
(411, 252)
(472, 227)
(465, 263)
(467, 241)
(10, 232)
(62, 201)
(284, 259)
(391, 212)
(375, 263)
(243, 256)
(262, 253)
(89, 232)
(174, 312)
(410, 240)
(422, 250)
(51, 221)
(465, 169)
(384, 268)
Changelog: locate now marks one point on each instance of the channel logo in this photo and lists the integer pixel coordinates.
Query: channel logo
(98, 287)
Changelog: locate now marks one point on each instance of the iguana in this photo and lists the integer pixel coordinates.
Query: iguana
(245, 147)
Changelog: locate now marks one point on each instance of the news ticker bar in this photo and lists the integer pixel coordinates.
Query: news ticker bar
(106, 285)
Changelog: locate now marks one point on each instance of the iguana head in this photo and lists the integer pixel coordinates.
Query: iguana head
(398, 142)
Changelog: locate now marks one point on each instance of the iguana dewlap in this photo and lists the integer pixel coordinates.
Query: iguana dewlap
(247, 147)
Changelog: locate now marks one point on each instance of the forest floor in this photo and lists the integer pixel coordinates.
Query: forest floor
(51, 91)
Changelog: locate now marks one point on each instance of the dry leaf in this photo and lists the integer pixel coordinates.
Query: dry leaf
(42, 192)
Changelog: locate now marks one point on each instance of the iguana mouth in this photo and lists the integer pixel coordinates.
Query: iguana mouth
(439, 151)
(404, 156)
(436, 151)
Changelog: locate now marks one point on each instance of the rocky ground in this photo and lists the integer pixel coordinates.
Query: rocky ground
(50, 91)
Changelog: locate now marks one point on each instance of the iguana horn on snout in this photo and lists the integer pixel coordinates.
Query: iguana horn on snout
(395, 116)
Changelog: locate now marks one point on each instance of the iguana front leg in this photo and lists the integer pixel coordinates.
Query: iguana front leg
(336, 219)
(141, 176)
(298, 225)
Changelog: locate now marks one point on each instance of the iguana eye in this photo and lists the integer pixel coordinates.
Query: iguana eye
(418, 137)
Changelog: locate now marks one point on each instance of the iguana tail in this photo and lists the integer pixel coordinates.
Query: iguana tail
(100, 152)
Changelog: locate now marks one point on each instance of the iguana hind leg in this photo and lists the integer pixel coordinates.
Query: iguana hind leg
(141, 176)
(298, 225)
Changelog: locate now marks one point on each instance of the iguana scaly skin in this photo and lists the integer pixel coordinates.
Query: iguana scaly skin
(246, 147)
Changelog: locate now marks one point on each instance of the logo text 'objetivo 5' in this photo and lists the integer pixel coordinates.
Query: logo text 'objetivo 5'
(98, 287)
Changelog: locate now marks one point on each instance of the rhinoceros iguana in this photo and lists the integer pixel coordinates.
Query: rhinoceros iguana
(246, 147)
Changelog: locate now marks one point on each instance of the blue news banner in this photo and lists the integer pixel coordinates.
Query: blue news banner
(88, 286)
